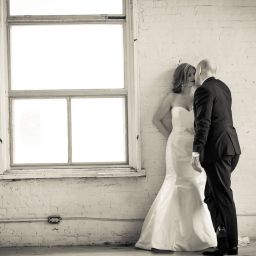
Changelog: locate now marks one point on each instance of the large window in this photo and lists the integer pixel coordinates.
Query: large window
(70, 83)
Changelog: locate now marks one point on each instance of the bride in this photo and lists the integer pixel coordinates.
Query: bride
(178, 220)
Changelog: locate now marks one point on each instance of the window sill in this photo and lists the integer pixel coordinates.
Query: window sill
(71, 173)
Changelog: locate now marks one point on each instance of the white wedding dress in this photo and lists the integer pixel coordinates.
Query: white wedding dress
(178, 220)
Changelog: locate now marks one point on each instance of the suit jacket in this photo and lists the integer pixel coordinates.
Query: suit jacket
(215, 135)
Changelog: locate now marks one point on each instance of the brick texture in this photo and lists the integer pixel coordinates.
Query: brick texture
(169, 32)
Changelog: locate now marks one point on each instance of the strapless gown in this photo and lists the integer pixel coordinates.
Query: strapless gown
(178, 220)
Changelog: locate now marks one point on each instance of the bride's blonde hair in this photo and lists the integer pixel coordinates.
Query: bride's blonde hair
(180, 76)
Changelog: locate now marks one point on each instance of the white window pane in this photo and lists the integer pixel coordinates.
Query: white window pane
(39, 131)
(65, 7)
(67, 57)
(98, 130)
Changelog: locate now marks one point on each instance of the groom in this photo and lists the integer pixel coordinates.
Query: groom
(217, 149)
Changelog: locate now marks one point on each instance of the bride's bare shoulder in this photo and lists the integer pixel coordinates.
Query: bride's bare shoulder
(171, 97)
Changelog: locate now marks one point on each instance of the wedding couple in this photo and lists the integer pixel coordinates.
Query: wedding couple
(201, 153)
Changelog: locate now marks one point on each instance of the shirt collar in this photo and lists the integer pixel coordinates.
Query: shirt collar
(208, 78)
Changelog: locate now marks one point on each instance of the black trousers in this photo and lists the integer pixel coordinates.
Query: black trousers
(219, 196)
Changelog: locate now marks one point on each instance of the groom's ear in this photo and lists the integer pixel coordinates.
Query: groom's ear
(200, 70)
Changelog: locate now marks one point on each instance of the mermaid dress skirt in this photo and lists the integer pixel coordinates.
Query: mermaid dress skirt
(178, 219)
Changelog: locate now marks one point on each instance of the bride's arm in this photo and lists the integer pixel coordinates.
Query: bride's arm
(163, 109)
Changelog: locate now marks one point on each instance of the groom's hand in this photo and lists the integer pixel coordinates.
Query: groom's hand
(190, 130)
(196, 162)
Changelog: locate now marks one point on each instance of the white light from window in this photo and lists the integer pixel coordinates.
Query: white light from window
(88, 56)
(98, 130)
(40, 131)
(65, 7)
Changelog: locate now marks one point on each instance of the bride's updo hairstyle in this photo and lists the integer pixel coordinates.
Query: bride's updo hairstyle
(180, 76)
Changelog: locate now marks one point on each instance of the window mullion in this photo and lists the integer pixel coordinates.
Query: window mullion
(66, 92)
(4, 106)
(69, 126)
(35, 19)
(10, 131)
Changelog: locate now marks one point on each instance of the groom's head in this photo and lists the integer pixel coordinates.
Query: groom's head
(204, 70)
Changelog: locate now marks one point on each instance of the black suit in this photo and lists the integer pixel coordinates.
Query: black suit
(216, 141)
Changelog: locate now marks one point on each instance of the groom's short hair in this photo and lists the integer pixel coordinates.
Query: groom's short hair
(207, 66)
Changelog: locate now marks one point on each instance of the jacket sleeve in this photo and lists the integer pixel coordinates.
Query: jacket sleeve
(203, 102)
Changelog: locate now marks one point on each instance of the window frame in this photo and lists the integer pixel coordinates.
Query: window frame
(130, 90)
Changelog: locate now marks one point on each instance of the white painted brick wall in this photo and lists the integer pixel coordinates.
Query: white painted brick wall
(170, 32)
(187, 31)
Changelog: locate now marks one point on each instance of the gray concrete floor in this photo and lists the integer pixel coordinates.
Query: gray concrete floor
(249, 250)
